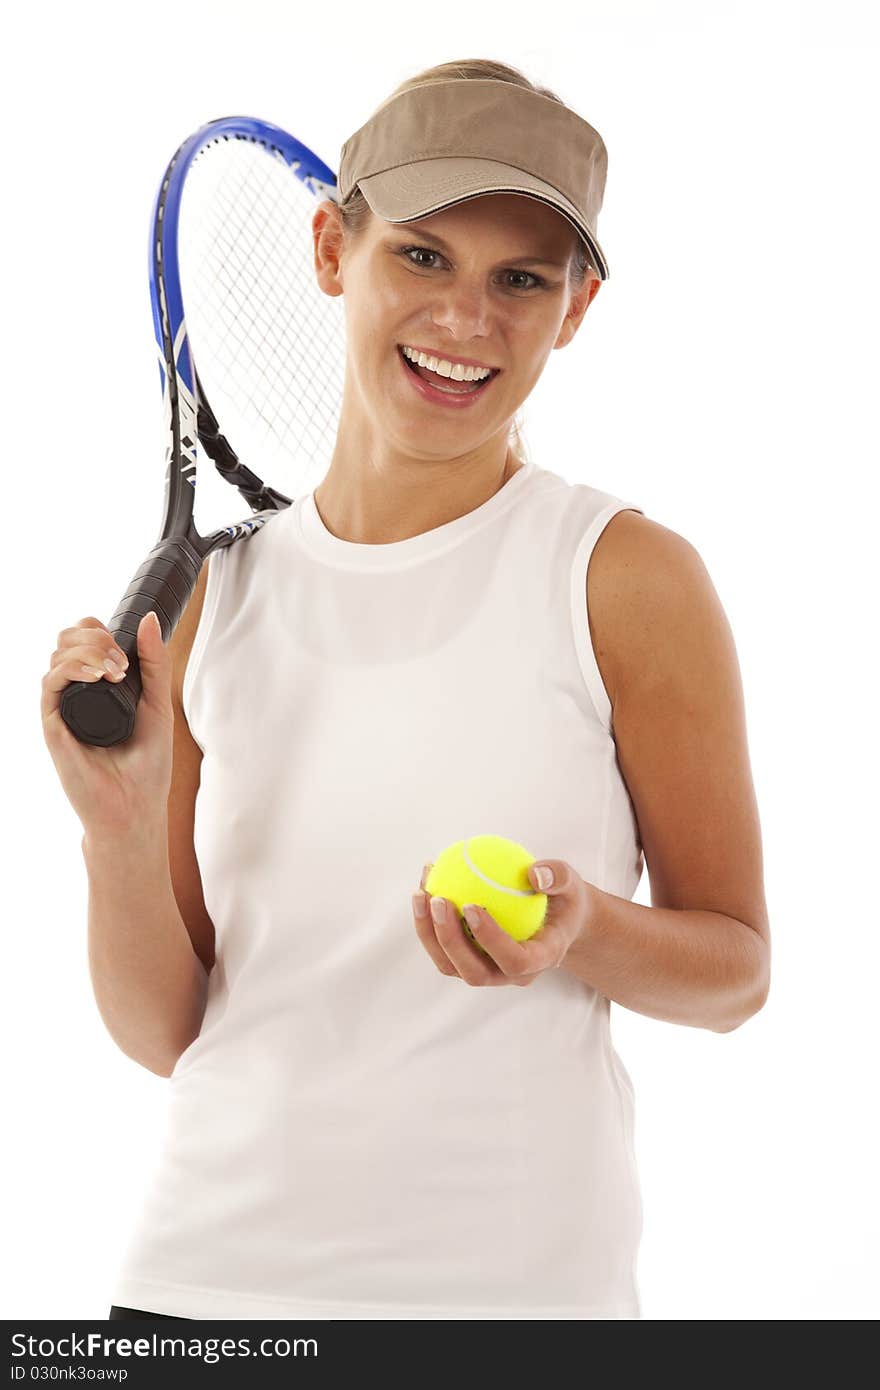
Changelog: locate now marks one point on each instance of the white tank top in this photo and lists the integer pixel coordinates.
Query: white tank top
(354, 1134)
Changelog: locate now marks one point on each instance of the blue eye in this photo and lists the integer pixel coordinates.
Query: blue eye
(429, 251)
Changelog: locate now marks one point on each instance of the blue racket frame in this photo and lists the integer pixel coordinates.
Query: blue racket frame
(168, 312)
(99, 712)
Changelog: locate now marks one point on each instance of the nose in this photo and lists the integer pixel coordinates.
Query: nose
(463, 312)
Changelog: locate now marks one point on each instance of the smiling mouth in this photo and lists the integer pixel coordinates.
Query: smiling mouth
(446, 384)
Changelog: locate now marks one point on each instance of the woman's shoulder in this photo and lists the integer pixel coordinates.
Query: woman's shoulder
(644, 583)
(631, 539)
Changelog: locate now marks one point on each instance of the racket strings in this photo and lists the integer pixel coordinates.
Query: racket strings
(268, 344)
(260, 275)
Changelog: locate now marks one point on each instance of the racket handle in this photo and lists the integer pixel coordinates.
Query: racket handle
(101, 713)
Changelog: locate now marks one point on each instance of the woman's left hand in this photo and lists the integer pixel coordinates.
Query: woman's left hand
(504, 961)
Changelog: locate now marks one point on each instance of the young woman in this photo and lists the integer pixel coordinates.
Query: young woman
(370, 1116)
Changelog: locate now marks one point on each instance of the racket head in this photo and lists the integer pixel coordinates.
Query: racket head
(251, 363)
(244, 332)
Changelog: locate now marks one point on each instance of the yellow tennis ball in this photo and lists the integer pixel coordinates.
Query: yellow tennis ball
(492, 872)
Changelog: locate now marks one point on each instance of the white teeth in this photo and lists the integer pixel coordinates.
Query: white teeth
(444, 368)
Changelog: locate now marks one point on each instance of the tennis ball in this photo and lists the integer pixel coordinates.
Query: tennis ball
(492, 872)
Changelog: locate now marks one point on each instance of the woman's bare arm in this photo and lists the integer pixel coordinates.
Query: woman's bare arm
(701, 954)
(151, 941)
(149, 984)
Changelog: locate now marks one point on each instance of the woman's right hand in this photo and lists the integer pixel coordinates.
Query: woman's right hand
(117, 789)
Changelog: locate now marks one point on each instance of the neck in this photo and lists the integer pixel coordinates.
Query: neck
(371, 506)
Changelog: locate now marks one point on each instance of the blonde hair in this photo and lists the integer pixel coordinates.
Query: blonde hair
(356, 211)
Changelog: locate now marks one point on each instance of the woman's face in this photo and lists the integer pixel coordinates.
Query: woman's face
(488, 283)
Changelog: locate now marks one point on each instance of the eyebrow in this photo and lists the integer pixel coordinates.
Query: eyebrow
(520, 260)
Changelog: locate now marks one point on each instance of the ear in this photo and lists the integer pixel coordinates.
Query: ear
(577, 307)
(328, 239)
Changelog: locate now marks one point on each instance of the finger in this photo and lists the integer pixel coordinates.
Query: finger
(566, 882)
(425, 933)
(508, 954)
(99, 658)
(471, 962)
(155, 663)
(86, 627)
(97, 641)
(76, 664)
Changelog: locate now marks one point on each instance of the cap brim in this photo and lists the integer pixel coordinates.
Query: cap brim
(417, 190)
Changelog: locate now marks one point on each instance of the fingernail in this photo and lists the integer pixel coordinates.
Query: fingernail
(472, 916)
(420, 904)
(544, 877)
(438, 909)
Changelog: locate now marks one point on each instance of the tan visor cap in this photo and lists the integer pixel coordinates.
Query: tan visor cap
(443, 142)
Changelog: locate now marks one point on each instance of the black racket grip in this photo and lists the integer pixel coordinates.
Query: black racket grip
(102, 713)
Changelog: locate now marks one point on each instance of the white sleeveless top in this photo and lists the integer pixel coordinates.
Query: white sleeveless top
(354, 1134)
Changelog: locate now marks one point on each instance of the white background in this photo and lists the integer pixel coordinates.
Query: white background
(723, 379)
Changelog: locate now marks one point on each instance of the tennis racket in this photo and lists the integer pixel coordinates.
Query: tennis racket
(248, 343)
